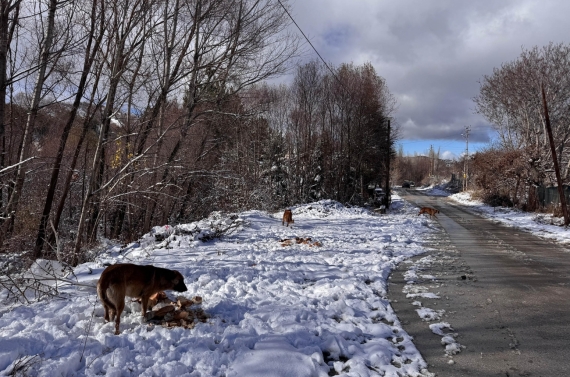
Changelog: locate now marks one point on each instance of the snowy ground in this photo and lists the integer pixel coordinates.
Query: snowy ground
(274, 310)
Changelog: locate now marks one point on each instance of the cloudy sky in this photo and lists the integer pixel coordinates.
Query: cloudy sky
(432, 53)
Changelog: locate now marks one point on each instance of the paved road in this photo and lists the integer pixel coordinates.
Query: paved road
(505, 292)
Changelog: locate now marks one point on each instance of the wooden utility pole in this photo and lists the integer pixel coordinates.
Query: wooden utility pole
(431, 159)
(387, 195)
(555, 160)
(466, 162)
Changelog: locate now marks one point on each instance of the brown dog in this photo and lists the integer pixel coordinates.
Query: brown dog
(430, 211)
(287, 217)
(132, 280)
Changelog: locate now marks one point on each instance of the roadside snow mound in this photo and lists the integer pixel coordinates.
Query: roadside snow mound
(327, 208)
(401, 207)
(214, 226)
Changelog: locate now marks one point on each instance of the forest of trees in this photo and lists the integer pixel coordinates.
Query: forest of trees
(121, 115)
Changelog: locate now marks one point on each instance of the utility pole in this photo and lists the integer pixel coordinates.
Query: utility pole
(388, 194)
(555, 160)
(430, 161)
(465, 163)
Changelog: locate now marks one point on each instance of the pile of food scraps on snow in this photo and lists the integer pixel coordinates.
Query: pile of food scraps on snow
(299, 240)
(182, 313)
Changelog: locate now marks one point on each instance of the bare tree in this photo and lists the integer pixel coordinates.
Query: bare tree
(92, 39)
(9, 14)
(45, 58)
(511, 99)
(124, 40)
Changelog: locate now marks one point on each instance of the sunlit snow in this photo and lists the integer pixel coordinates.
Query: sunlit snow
(274, 310)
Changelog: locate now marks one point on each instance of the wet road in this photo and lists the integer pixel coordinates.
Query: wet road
(505, 292)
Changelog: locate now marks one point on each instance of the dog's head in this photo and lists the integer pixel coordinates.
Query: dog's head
(178, 282)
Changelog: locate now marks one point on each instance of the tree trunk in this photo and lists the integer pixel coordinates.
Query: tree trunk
(88, 63)
(6, 22)
(116, 73)
(13, 204)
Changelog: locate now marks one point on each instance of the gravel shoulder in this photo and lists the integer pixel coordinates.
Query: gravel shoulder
(503, 293)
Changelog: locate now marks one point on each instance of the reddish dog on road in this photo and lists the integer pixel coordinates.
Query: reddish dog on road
(430, 211)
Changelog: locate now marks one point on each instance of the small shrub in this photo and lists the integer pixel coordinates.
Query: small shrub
(555, 210)
(497, 200)
(478, 195)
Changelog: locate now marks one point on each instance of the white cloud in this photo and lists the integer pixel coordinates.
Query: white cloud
(447, 155)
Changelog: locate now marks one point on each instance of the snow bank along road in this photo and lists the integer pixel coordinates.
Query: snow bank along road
(504, 292)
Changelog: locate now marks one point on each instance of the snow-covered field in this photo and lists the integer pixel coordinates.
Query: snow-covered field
(274, 310)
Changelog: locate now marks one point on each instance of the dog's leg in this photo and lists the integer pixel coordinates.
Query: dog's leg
(112, 314)
(107, 313)
(144, 304)
(120, 307)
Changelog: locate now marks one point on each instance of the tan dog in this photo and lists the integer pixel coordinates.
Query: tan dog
(430, 211)
(132, 280)
(287, 217)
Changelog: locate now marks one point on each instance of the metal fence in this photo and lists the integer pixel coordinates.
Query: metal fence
(549, 195)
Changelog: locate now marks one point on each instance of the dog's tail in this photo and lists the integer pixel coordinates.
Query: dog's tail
(102, 293)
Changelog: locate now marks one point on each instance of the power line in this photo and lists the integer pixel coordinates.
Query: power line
(313, 47)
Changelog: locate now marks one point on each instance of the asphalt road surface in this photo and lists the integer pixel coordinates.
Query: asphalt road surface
(505, 292)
